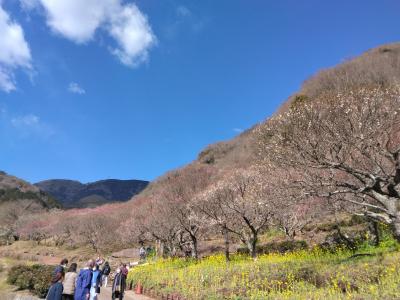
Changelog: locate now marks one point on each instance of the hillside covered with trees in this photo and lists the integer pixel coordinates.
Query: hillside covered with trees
(323, 172)
(331, 149)
(19, 199)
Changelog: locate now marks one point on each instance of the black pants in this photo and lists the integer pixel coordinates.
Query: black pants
(67, 297)
(118, 296)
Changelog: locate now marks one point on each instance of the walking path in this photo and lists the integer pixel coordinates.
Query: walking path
(105, 294)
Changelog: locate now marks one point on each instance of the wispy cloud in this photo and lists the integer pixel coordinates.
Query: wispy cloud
(29, 125)
(183, 11)
(185, 18)
(238, 130)
(28, 4)
(25, 121)
(75, 88)
(14, 53)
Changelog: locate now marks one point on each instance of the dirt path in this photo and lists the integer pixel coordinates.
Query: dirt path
(129, 295)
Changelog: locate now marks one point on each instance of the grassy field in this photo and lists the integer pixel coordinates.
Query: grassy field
(369, 273)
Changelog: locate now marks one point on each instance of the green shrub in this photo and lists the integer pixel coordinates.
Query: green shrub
(34, 278)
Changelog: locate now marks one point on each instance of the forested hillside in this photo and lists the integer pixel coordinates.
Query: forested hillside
(330, 155)
(18, 199)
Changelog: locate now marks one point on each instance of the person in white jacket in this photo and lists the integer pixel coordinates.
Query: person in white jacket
(69, 283)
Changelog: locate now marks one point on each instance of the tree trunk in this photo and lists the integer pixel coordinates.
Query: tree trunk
(252, 246)
(226, 238)
(290, 234)
(194, 247)
(349, 242)
(173, 251)
(396, 227)
(160, 248)
(374, 229)
(157, 248)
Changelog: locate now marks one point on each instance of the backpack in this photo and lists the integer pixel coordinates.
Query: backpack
(106, 270)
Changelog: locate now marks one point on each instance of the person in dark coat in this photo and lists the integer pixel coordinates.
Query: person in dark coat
(83, 282)
(124, 275)
(118, 287)
(56, 288)
(105, 273)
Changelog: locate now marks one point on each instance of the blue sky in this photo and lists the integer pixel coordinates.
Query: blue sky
(120, 89)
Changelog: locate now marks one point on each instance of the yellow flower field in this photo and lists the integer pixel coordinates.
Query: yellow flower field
(313, 274)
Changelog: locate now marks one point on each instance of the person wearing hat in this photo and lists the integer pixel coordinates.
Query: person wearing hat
(56, 288)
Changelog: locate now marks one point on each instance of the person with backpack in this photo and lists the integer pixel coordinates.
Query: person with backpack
(56, 288)
(69, 283)
(95, 284)
(84, 282)
(105, 273)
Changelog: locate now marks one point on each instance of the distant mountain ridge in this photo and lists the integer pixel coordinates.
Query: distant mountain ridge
(74, 194)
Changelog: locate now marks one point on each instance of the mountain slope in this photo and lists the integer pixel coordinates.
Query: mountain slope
(19, 199)
(75, 194)
(13, 189)
(380, 65)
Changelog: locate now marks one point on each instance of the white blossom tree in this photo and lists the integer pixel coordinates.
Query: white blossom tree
(239, 204)
(346, 146)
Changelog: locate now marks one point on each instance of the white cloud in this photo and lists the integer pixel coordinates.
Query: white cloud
(129, 27)
(14, 51)
(7, 83)
(29, 4)
(76, 88)
(27, 120)
(183, 11)
(79, 21)
(30, 124)
(185, 19)
(238, 130)
(76, 20)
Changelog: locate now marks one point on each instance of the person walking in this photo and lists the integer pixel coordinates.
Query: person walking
(117, 290)
(105, 273)
(61, 267)
(84, 282)
(124, 275)
(69, 282)
(56, 288)
(142, 253)
(95, 284)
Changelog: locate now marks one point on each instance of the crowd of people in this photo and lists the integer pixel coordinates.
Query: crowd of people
(67, 284)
